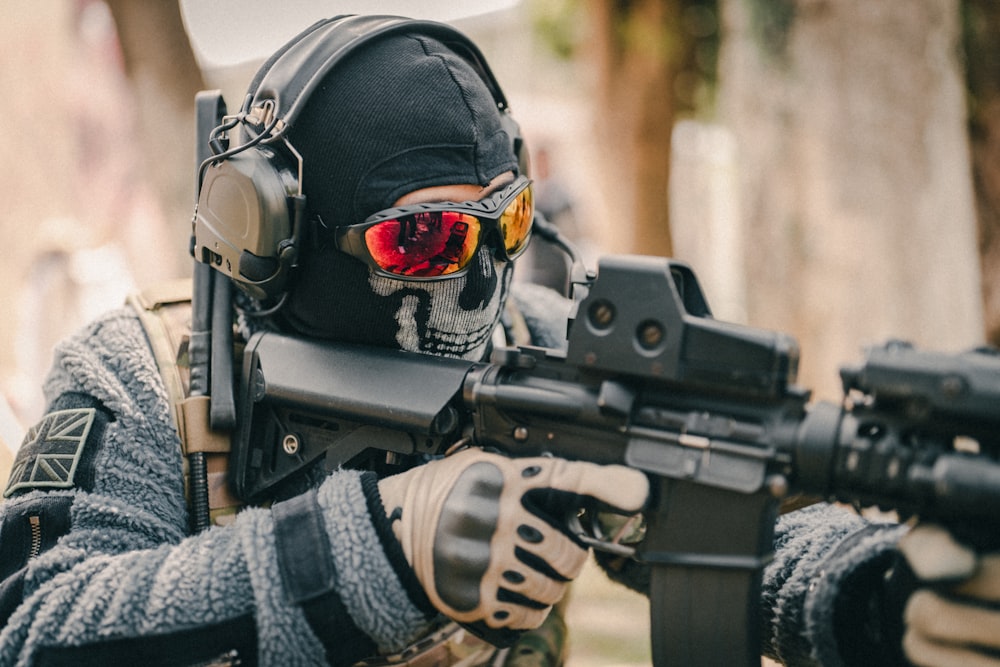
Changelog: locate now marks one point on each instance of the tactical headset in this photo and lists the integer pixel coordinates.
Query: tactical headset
(251, 205)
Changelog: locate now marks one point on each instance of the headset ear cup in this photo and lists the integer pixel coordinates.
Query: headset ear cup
(242, 226)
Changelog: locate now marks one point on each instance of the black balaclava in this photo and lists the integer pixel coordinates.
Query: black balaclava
(402, 114)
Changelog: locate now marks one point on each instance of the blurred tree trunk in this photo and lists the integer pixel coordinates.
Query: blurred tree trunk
(165, 75)
(982, 49)
(856, 193)
(639, 48)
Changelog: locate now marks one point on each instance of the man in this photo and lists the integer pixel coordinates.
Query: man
(367, 129)
(98, 563)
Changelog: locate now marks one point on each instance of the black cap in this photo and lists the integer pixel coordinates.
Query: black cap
(402, 114)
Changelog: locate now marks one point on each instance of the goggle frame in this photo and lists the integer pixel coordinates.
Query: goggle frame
(489, 212)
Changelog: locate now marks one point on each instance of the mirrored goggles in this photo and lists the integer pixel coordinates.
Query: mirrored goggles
(438, 240)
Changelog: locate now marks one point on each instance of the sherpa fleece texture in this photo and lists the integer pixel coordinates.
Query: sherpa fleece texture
(128, 567)
(817, 549)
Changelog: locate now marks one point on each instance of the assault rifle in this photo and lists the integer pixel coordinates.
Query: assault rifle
(709, 410)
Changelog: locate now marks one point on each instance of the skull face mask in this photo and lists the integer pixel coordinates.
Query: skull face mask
(452, 318)
(339, 299)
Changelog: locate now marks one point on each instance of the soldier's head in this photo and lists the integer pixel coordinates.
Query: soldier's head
(415, 196)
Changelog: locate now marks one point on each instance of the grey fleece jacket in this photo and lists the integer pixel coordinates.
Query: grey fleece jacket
(129, 568)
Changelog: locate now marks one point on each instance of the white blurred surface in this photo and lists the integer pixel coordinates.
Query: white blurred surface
(219, 29)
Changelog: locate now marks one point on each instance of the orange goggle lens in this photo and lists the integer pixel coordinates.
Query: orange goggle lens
(426, 241)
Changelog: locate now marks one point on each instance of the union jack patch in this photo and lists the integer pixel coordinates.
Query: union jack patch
(49, 456)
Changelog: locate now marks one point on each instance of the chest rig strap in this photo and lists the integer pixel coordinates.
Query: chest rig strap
(165, 313)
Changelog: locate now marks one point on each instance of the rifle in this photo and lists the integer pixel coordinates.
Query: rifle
(709, 410)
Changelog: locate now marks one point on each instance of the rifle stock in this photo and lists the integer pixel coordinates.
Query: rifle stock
(708, 410)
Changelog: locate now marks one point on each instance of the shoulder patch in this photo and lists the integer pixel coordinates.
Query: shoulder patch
(49, 456)
(52, 454)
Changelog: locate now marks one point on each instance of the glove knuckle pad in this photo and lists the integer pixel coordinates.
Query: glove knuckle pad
(466, 524)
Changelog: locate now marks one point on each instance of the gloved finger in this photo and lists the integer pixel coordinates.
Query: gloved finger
(545, 552)
(985, 583)
(532, 585)
(549, 551)
(939, 618)
(614, 485)
(517, 616)
(934, 555)
(923, 652)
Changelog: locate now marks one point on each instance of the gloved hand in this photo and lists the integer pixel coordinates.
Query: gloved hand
(957, 624)
(486, 535)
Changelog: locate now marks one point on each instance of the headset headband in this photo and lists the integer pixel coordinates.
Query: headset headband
(284, 83)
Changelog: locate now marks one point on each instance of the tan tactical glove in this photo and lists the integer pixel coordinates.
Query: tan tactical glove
(957, 626)
(486, 535)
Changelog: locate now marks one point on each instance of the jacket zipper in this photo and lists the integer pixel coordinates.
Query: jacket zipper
(35, 523)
